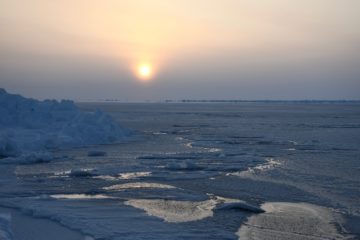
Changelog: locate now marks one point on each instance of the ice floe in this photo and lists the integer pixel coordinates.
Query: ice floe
(134, 175)
(175, 211)
(187, 211)
(290, 221)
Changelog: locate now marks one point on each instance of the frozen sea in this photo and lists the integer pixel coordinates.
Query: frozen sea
(203, 171)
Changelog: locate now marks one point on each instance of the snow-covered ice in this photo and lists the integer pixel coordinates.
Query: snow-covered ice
(290, 221)
(175, 211)
(137, 185)
(79, 196)
(28, 126)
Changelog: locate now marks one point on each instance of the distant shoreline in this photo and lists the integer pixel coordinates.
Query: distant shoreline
(226, 101)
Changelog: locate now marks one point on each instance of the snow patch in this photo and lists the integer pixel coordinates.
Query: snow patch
(137, 185)
(134, 175)
(187, 211)
(79, 196)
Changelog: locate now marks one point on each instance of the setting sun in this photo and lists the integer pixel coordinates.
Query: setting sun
(144, 71)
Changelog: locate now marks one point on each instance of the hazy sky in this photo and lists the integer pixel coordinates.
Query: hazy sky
(202, 49)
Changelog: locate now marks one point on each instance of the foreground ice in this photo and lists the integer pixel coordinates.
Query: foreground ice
(253, 140)
(175, 211)
(29, 228)
(5, 229)
(290, 221)
(187, 211)
(28, 125)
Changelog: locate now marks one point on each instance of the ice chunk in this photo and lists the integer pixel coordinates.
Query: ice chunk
(28, 125)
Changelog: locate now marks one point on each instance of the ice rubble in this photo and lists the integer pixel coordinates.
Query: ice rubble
(28, 126)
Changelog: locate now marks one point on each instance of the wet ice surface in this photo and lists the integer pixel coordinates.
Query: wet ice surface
(202, 171)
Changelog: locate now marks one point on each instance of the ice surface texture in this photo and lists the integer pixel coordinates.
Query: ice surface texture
(290, 221)
(28, 125)
(5, 231)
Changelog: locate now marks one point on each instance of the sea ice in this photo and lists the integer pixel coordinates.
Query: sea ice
(187, 165)
(175, 211)
(124, 176)
(5, 229)
(187, 211)
(28, 125)
(270, 163)
(290, 221)
(79, 196)
(136, 185)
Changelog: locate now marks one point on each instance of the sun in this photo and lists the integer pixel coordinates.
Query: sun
(144, 71)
